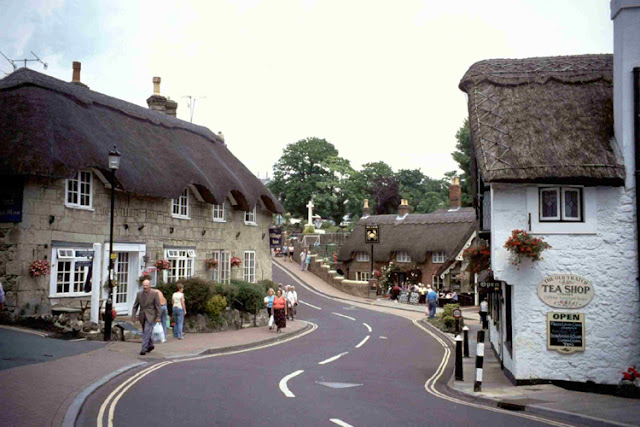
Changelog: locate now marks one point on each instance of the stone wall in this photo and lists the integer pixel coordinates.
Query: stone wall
(607, 258)
(45, 219)
(351, 287)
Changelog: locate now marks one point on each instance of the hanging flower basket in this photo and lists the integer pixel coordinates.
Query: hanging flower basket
(478, 257)
(39, 267)
(376, 274)
(236, 262)
(163, 264)
(522, 245)
(211, 263)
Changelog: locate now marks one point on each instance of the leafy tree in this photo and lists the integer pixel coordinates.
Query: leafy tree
(386, 195)
(462, 156)
(311, 169)
(361, 186)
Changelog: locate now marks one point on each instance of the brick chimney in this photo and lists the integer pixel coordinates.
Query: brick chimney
(455, 194)
(75, 79)
(160, 103)
(365, 209)
(404, 208)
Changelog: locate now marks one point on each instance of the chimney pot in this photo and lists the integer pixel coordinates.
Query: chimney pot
(76, 72)
(365, 209)
(404, 208)
(156, 85)
(455, 194)
(221, 136)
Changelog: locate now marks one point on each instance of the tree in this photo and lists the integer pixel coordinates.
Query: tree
(311, 169)
(360, 186)
(386, 195)
(462, 156)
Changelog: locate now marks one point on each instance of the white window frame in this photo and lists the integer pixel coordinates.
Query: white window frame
(183, 261)
(363, 276)
(556, 217)
(218, 213)
(565, 217)
(250, 217)
(249, 266)
(181, 202)
(438, 257)
(362, 257)
(78, 179)
(403, 256)
(68, 255)
(224, 267)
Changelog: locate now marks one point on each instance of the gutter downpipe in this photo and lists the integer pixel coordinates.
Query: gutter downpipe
(636, 132)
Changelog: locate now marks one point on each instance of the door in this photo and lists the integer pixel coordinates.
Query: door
(123, 275)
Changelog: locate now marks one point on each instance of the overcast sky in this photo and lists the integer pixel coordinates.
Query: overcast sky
(378, 79)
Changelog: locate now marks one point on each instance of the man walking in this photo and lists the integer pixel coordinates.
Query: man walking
(150, 312)
(432, 299)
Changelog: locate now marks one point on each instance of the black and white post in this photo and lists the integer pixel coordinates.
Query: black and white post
(477, 385)
(458, 371)
(465, 332)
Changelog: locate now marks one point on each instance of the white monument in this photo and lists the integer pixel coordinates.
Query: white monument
(310, 206)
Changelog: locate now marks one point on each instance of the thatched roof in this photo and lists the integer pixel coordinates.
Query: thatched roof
(52, 128)
(544, 119)
(418, 234)
(451, 259)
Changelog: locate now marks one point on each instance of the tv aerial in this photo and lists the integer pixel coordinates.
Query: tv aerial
(191, 103)
(26, 60)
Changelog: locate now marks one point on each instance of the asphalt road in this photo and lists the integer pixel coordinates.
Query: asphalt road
(21, 348)
(382, 382)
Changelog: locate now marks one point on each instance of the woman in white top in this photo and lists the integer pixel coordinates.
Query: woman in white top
(292, 301)
(179, 311)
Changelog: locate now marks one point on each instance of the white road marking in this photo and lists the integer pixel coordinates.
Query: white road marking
(310, 305)
(331, 359)
(283, 383)
(26, 331)
(383, 338)
(342, 315)
(363, 341)
(339, 422)
(78, 339)
(431, 389)
(131, 381)
(368, 327)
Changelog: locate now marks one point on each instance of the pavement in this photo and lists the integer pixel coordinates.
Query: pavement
(60, 386)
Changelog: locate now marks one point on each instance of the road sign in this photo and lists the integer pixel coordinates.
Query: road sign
(457, 313)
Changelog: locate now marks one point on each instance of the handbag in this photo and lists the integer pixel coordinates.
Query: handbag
(157, 334)
(271, 320)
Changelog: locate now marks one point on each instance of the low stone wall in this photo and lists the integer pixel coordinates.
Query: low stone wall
(351, 287)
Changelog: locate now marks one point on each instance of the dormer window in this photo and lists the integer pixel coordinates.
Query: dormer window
(362, 257)
(438, 257)
(79, 191)
(403, 256)
(218, 213)
(250, 217)
(180, 206)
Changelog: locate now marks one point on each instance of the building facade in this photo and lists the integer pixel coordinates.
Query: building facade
(181, 197)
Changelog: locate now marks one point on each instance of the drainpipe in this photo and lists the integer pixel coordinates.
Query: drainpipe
(636, 133)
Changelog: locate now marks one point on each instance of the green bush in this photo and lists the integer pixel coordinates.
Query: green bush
(250, 296)
(215, 305)
(448, 309)
(228, 291)
(309, 230)
(448, 321)
(167, 289)
(197, 292)
(268, 284)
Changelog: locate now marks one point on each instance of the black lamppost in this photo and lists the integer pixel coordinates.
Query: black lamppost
(114, 164)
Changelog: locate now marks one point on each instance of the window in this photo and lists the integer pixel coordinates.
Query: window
(221, 274)
(403, 257)
(362, 257)
(438, 257)
(250, 217)
(122, 276)
(180, 206)
(218, 213)
(363, 276)
(71, 270)
(79, 191)
(560, 204)
(249, 267)
(182, 263)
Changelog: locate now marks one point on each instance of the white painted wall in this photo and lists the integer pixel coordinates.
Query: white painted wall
(606, 257)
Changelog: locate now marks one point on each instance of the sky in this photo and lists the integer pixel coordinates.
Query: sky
(377, 79)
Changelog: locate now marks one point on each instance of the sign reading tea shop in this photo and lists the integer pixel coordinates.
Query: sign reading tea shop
(566, 291)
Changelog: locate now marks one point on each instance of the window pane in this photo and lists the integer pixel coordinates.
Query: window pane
(549, 204)
(571, 203)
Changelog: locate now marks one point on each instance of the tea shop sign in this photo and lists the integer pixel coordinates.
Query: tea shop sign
(566, 291)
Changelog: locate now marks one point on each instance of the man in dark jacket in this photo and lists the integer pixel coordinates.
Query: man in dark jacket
(150, 312)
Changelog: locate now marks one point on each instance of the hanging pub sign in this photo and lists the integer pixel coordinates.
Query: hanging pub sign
(275, 237)
(566, 291)
(11, 199)
(565, 332)
(371, 234)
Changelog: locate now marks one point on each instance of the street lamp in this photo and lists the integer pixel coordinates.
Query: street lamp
(114, 164)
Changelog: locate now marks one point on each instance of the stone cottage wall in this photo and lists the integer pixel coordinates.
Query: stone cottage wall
(46, 219)
(607, 258)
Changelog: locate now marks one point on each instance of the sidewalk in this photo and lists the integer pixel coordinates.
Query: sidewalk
(44, 393)
(497, 390)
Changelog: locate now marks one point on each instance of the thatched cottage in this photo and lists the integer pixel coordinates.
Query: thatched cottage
(416, 244)
(181, 195)
(553, 148)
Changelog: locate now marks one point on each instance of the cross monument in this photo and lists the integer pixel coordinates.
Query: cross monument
(310, 206)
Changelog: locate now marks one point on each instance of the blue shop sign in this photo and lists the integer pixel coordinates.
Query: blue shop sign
(11, 199)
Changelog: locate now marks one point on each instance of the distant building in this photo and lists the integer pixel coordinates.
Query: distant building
(554, 148)
(181, 196)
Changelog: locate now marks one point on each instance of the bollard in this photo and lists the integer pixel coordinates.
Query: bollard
(457, 326)
(465, 330)
(477, 385)
(459, 374)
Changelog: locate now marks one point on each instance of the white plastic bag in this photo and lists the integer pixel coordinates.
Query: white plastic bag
(157, 335)
(271, 320)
